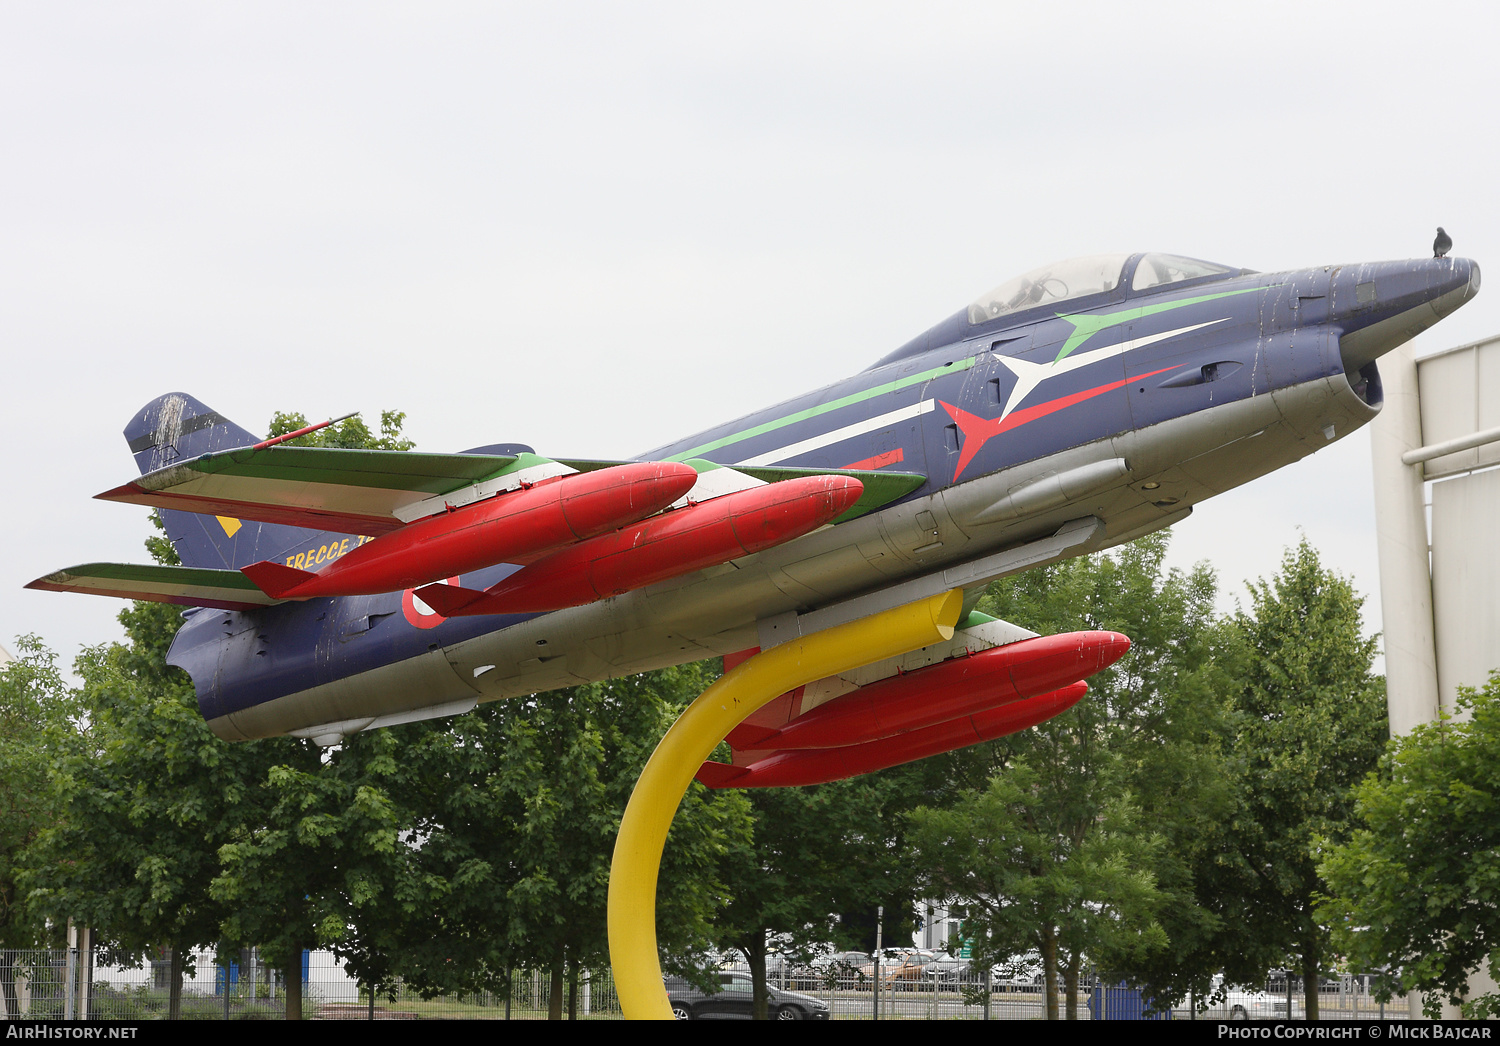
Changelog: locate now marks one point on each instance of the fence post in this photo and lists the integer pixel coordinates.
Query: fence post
(85, 972)
(70, 977)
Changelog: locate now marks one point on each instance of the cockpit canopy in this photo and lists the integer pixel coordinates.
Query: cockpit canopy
(1080, 277)
(1097, 276)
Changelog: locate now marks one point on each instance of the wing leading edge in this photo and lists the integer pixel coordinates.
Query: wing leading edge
(184, 586)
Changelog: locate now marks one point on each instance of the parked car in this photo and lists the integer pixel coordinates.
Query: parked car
(839, 968)
(949, 967)
(1246, 1005)
(903, 968)
(777, 964)
(1019, 973)
(734, 1001)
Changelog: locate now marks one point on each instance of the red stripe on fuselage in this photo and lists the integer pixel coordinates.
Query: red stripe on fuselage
(879, 461)
(977, 431)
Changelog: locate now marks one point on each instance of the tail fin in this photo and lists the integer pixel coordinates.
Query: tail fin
(175, 427)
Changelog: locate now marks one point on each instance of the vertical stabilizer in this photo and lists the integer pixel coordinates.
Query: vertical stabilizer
(177, 427)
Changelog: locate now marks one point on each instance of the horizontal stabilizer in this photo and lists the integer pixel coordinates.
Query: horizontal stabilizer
(275, 579)
(184, 586)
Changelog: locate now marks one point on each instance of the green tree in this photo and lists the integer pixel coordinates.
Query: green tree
(38, 723)
(153, 795)
(449, 854)
(790, 880)
(351, 433)
(321, 853)
(150, 796)
(325, 831)
(1310, 725)
(519, 803)
(1028, 876)
(1072, 818)
(1415, 889)
(445, 853)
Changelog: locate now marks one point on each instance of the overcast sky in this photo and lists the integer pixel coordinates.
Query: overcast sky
(594, 228)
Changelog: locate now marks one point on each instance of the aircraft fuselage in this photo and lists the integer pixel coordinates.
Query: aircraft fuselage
(1109, 413)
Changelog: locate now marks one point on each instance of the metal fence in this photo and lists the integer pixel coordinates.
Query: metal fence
(969, 996)
(62, 984)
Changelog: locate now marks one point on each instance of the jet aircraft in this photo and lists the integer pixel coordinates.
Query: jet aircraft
(1068, 410)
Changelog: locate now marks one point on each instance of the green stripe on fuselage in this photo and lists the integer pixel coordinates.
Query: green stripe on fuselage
(824, 408)
(1086, 325)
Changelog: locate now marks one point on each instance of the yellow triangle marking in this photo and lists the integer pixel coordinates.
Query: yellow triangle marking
(229, 524)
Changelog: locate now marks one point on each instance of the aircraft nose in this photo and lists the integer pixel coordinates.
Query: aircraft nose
(1451, 282)
(1380, 305)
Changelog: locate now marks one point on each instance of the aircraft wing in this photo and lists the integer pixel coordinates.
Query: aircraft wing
(374, 492)
(881, 488)
(368, 492)
(185, 586)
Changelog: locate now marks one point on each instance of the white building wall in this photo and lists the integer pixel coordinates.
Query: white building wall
(1436, 522)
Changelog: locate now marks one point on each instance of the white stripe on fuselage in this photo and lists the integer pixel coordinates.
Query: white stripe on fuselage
(1029, 375)
(859, 428)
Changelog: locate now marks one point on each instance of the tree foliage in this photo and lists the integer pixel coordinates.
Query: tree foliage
(38, 724)
(350, 433)
(790, 878)
(511, 814)
(150, 795)
(153, 797)
(444, 853)
(38, 721)
(1029, 877)
(1415, 889)
(1310, 724)
(1057, 841)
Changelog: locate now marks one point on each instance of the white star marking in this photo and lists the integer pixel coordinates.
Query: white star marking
(1029, 375)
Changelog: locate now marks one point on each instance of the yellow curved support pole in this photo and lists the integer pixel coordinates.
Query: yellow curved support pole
(692, 739)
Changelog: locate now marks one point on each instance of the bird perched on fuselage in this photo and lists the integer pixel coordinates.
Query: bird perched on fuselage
(1442, 245)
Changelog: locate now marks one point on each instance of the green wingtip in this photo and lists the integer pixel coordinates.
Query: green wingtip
(702, 465)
